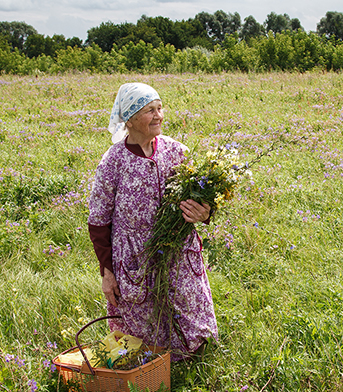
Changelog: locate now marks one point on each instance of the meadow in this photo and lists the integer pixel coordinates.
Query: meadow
(274, 253)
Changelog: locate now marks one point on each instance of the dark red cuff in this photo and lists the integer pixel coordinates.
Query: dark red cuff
(101, 238)
(207, 221)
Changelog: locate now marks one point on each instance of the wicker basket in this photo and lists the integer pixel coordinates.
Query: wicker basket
(150, 375)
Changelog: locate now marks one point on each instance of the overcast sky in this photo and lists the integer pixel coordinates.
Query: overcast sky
(74, 17)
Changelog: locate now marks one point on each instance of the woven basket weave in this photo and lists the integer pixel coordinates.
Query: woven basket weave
(150, 375)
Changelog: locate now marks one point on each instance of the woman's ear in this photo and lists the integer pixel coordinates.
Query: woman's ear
(128, 124)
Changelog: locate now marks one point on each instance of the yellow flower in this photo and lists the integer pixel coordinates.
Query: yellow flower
(219, 200)
(228, 195)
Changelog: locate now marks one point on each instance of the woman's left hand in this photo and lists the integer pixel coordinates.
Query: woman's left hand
(194, 212)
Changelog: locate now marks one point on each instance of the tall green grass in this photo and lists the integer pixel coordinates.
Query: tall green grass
(274, 253)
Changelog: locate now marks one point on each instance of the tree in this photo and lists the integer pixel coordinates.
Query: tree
(278, 23)
(141, 32)
(251, 28)
(219, 24)
(162, 26)
(295, 24)
(4, 45)
(34, 45)
(16, 33)
(107, 34)
(75, 41)
(331, 24)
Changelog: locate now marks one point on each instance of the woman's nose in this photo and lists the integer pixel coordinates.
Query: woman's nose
(158, 113)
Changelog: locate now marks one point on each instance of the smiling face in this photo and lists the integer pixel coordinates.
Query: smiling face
(146, 124)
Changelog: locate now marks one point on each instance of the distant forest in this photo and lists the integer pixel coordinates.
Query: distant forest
(207, 42)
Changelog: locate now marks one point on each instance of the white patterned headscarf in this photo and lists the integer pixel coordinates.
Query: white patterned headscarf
(131, 98)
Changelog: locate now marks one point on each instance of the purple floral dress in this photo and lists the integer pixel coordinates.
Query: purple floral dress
(127, 192)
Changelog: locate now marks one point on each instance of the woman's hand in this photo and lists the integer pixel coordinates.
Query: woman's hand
(194, 212)
(110, 287)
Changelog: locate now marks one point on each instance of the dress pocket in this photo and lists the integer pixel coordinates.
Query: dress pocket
(132, 280)
(193, 254)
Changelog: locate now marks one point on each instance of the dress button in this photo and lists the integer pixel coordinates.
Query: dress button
(152, 164)
(155, 197)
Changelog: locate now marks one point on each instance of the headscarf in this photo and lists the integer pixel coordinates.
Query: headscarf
(131, 98)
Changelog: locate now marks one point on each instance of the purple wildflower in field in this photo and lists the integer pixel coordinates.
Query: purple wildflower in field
(20, 362)
(292, 247)
(122, 351)
(148, 353)
(255, 224)
(32, 383)
(244, 388)
(9, 357)
(202, 184)
(52, 367)
(51, 345)
(160, 251)
(46, 363)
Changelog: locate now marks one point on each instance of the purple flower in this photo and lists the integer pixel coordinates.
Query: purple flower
(32, 383)
(52, 367)
(51, 345)
(20, 362)
(9, 357)
(292, 247)
(202, 184)
(255, 224)
(122, 351)
(46, 363)
(148, 353)
(244, 388)
(160, 251)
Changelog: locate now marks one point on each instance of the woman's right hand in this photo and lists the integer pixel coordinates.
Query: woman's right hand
(110, 287)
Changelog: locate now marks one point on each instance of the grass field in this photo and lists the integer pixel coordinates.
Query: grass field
(275, 253)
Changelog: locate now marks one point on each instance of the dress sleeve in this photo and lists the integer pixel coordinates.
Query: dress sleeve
(101, 238)
(101, 209)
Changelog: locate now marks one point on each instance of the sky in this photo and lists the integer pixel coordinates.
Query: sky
(73, 18)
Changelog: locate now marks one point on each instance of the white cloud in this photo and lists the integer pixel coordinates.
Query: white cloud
(75, 17)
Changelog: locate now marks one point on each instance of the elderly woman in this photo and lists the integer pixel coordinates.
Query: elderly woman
(127, 191)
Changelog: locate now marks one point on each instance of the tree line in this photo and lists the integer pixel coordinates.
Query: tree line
(208, 42)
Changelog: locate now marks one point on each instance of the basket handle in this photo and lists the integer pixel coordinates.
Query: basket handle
(81, 330)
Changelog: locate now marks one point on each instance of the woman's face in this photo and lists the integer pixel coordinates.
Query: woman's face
(147, 122)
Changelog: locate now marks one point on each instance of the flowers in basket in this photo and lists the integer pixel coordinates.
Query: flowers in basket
(116, 351)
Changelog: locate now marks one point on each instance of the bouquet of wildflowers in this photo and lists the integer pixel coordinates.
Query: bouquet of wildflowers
(210, 178)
